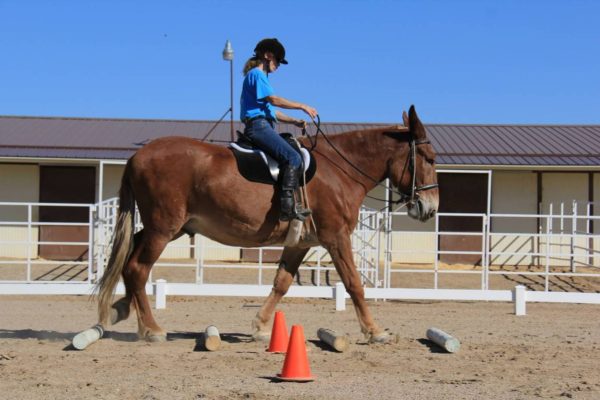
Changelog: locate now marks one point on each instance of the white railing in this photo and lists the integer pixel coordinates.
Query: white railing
(316, 262)
(549, 255)
(380, 254)
(26, 232)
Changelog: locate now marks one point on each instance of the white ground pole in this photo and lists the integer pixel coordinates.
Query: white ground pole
(337, 341)
(87, 337)
(443, 339)
(520, 298)
(211, 338)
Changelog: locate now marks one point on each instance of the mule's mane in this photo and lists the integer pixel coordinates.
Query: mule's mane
(370, 131)
(367, 150)
(365, 137)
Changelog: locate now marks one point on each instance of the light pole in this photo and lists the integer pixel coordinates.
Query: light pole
(228, 56)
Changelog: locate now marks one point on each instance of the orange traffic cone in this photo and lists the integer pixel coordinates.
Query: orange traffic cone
(279, 334)
(295, 366)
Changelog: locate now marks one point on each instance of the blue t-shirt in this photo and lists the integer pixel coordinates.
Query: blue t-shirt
(256, 87)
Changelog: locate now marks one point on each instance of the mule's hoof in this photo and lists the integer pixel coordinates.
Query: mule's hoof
(261, 336)
(114, 316)
(383, 338)
(156, 338)
(118, 313)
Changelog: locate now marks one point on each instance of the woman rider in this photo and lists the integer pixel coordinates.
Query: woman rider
(258, 114)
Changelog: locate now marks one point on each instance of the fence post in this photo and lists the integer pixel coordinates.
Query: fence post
(200, 259)
(436, 260)
(519, 298)
(30, 239)
(91, 240)
(260, 265)
(573, 233)
(387, 251)
(340, 297)
(485, 242)
(161, 294)
(549, 235)
(100, 240)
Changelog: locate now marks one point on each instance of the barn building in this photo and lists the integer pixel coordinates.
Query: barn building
(502, 169)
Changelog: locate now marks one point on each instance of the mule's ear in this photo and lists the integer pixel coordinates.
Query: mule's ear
(405, 119)
(415, 124)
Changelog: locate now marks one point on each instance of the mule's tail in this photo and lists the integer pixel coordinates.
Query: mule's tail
(122, 246)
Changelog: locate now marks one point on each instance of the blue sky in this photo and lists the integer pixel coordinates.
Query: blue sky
(356, 61)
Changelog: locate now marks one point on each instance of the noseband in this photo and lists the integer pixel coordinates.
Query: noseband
(412, 167)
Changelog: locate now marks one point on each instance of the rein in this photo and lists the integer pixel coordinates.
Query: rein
(404, 197)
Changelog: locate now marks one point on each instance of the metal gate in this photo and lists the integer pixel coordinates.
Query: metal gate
(366, 240)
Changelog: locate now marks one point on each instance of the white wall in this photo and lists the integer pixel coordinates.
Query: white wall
(412, 247)
(112, 181)
(18, 183)
(513, 192)
(564, 188)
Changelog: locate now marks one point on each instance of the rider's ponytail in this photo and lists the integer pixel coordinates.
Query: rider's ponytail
(252, 62)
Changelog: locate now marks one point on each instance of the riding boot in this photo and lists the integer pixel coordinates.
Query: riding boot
(290, 207)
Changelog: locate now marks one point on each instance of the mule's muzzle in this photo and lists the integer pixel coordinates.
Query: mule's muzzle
(421, 210)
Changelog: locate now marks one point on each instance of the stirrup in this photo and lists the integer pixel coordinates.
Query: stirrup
(302, 214)
(298, 212)
(299, 215)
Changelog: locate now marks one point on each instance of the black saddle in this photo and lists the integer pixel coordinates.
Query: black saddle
(257, 166)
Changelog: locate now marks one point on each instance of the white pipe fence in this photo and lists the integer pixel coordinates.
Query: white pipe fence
(381, 254)
(30, 227)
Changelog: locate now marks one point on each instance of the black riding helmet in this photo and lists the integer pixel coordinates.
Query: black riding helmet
(272, 46)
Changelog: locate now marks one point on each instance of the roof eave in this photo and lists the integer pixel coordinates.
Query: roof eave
(520, 167)
(58, 160)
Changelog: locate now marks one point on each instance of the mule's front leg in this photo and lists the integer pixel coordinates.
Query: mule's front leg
(288, 266)
(341, 253)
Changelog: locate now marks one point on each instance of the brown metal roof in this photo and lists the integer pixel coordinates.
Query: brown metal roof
(92, 138)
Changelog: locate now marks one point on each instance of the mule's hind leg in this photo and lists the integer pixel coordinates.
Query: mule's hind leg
(135, 274)
(288, 266)
(121, 308)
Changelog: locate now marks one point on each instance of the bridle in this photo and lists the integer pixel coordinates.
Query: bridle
(412, 167)
(405, 198)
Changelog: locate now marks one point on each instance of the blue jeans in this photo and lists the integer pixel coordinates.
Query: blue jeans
(262, 134)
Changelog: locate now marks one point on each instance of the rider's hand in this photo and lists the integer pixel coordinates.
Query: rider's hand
(300, 123)
(310, 111)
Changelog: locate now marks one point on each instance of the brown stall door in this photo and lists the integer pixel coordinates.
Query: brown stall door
(65, 185)
(462, 193)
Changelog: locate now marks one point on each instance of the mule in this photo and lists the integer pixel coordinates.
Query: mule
(182, 185)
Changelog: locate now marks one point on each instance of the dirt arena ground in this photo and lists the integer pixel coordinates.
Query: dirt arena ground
(552, 352)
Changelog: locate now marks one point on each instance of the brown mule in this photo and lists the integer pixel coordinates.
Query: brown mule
(183, 185)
